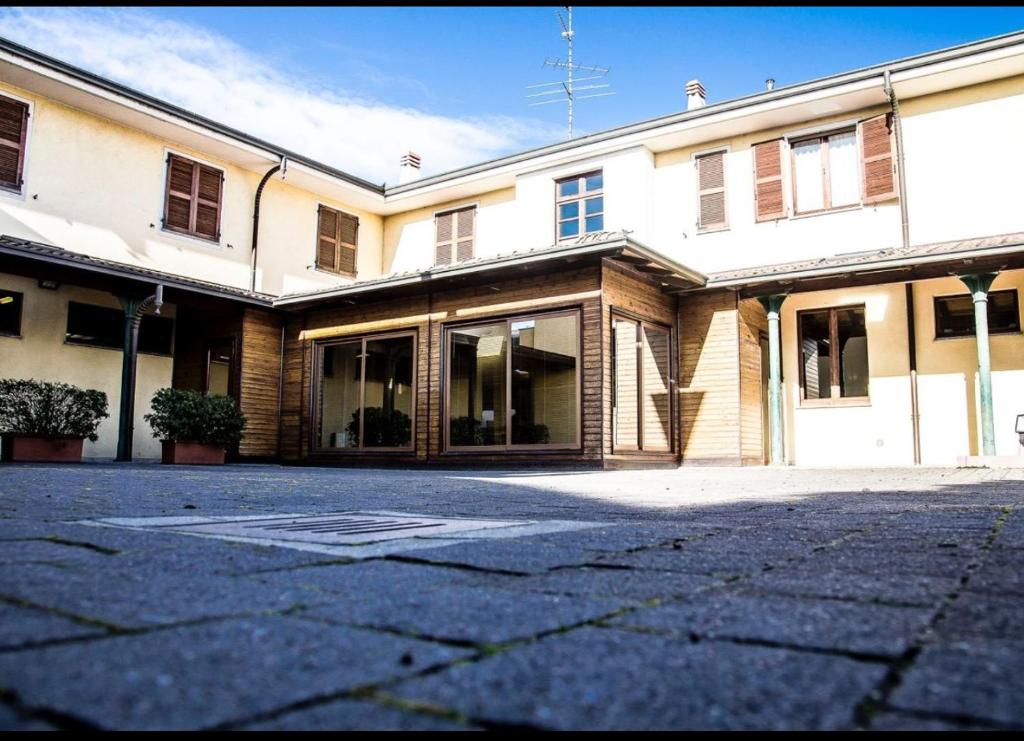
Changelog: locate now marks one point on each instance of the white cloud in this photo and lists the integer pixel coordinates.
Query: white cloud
(209, 74)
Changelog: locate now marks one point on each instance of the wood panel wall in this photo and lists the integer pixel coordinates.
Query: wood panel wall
(260, 381)
(753, 321)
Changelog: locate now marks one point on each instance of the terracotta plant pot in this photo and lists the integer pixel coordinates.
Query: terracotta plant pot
(30, 448)
(192, 453)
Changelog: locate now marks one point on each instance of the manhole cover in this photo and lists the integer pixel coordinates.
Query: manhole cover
(337, 528)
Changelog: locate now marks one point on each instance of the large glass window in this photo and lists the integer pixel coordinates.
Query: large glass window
(825, 172)
(514, 383)
(579, 205)
(365, 393)
(10, 313)
(641, 401)
(954, 315)
(833, 353)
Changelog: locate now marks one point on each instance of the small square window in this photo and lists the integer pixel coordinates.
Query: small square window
(954, 315)
(572, 218)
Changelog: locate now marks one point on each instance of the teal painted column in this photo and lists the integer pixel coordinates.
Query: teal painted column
(772, 305)
(978, 284)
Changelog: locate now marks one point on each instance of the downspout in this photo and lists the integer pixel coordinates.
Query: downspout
(283, 166)
(901, 184)
(430, 360)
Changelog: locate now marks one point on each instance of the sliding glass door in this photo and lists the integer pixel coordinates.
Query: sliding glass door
(365, 393)
(642, 386)
(514, 383)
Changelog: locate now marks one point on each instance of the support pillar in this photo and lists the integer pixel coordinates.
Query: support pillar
(773, 305)
(133, 310)
(978, 284)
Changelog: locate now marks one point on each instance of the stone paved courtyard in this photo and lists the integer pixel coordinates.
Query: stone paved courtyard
(807, 599)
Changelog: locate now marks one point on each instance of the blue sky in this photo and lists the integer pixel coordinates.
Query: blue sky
(359, 86)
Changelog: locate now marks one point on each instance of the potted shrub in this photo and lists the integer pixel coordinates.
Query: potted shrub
(42, 421)
(194, 427)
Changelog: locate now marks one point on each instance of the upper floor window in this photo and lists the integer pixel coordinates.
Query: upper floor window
(579, 205)
(103, 326)
(833, 353)
(454, 236)
(10, 313)
(13, 130)
(194, 196)
(954, 315)
(337, 239)
(825, 172)
(711, 191)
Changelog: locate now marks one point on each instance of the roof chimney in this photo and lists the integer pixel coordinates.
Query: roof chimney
(695, 95)
(769, 84)
(410, 168)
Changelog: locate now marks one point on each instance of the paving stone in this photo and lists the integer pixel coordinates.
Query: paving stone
(872, 558)
(369, 579)
(983, 616)
(633, 584)
(206, 675)
(808, 580)
(980, 679)
(510, 556)
(141, 598)
(11, 721)
(601, 679)
(23, 625)
(354, 715)
(904, 722)
(823, 624)
(705, 558)
(1001, 572)
(474, 614)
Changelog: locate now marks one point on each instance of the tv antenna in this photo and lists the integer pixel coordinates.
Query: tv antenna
(565, 91)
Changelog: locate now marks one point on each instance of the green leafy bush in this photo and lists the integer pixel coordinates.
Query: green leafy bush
(189, 416)
(382, 429)
(50, 409)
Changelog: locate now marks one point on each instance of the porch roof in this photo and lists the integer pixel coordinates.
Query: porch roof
(894, 264)
(592, 247)
(64, 265)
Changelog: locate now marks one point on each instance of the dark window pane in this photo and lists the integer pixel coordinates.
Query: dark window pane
(544, 366)
(595, 182)
(339, 396)
(156, 334)
(568, 229)
(853, 352)
(595, 205)
(388, 410)
(954, 315)
(95, 325)
(815, 354)
(10, 313)
(594, 224)
(569, 187)
(476, 405)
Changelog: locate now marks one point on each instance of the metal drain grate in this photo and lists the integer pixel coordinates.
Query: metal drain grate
(339, 528)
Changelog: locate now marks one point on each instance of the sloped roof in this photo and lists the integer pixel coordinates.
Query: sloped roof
(891, 257)
(56, 255)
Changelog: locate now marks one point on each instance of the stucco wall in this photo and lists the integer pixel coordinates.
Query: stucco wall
(41, 353)
(880, 432)
(97, 187)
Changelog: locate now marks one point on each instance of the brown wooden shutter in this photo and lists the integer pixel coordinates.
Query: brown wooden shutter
(13, 130)
(178, 205)
(348, 234)
(444, 240)
(327, 239)
(209, 190)
(711, 191)
(879, 176)
(769, 202)
(465, 235)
